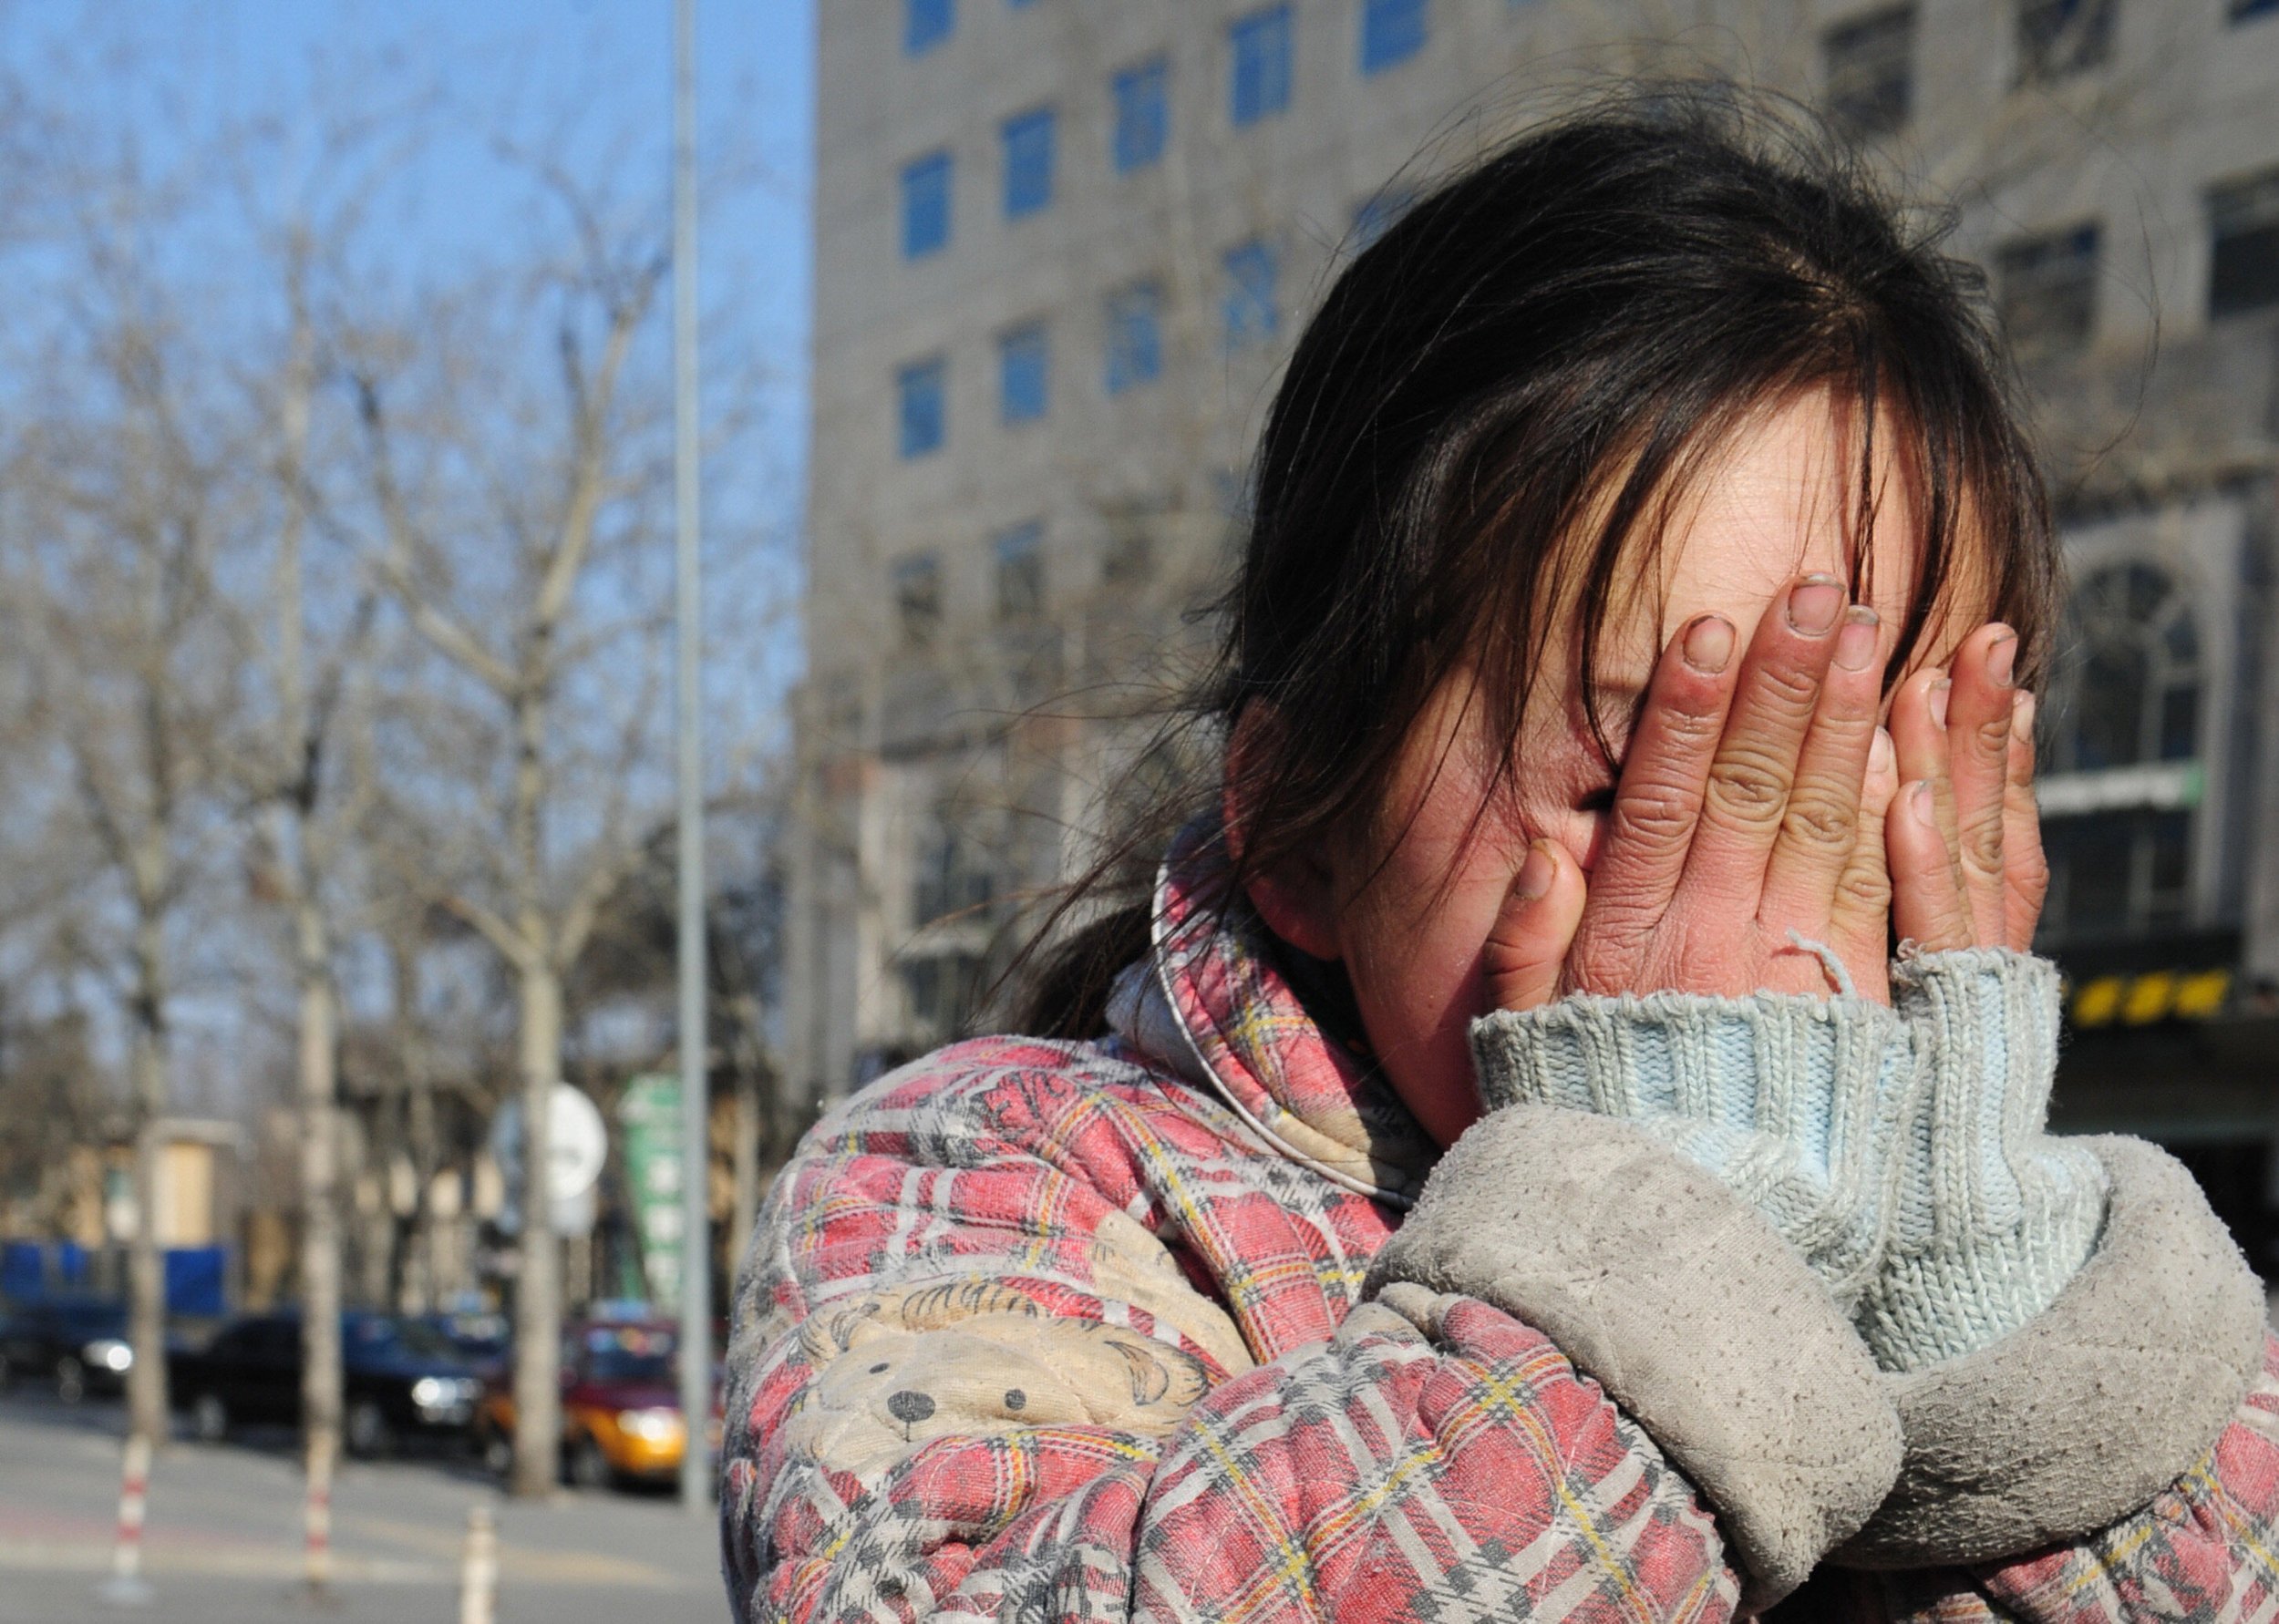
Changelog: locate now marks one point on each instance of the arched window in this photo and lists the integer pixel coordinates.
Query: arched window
(2120, 775)
(2129, 688)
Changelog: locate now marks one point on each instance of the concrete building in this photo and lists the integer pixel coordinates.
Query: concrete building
(1062, 248)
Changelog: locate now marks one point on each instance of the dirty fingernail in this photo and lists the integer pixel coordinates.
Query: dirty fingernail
(1855, 644)
(1710, 643)
(1536, 874)
(1921, 802)
(2002, 659)
(1814, 603)
(1939, 691)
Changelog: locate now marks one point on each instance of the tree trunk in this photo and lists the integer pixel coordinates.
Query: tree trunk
(422, 1287)
(538, 1285)
(320, 1204)
(146, 1275)
(744, 1158)
(422, 1294)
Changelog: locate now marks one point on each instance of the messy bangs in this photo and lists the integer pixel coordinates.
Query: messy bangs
(1974, 548)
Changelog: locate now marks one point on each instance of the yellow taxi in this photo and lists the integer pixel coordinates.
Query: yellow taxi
(620, 1410)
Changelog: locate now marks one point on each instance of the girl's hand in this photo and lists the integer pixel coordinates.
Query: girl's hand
(1751, 805)
(1964, 839)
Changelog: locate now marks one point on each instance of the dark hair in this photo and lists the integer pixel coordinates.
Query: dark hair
(1497, 402)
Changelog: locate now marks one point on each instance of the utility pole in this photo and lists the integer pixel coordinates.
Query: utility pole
(695, 1149)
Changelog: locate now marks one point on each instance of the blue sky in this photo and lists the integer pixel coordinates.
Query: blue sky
(161, 67)
(194, 60)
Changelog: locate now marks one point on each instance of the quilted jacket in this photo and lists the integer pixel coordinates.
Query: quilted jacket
(1038, 1330)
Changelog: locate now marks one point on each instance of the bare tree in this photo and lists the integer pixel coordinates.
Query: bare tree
(125, 495)
(512, 519)
(309, 811)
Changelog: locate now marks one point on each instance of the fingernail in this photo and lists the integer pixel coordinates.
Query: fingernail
(1536, 874)
(1921, 802)
(1855, 644)
(1880, 753)
(2022, 707)
(1710, 643)
(1814, 603)
(1938, 700)
(2002, 659)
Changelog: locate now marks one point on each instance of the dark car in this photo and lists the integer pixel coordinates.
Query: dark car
(78, 1344)
(400, 1379)
(480, 1337)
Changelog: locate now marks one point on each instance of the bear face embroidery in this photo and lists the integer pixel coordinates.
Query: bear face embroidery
(887, 1392)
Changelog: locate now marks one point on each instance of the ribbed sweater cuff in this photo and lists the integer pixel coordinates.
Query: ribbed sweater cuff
(1994, 1215)
(1901, 1150)
(1792, 1100)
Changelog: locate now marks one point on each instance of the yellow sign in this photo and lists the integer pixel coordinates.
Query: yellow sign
(2155, 995)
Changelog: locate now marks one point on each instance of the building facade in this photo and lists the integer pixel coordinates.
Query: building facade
(1062, 249)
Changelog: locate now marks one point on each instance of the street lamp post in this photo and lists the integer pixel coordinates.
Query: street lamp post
(695, 1339)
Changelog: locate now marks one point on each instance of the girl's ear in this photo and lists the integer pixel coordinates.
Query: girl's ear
(1297, 895)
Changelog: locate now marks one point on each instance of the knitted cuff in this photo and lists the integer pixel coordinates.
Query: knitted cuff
(1992, 1216)
(1793, 1102)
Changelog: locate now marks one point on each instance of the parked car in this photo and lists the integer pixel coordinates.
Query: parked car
(480, 1336)
(621, 1406)
(78, 1344)
(400, 1379)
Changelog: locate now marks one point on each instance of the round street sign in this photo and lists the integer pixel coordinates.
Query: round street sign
(577, 1143)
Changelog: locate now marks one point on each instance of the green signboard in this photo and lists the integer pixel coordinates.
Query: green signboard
(650, 1115)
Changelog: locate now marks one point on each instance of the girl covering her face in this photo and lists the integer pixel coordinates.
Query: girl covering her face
(1562, 1134)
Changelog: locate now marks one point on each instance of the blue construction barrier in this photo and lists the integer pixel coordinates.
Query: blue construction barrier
(197, 1278)
(23, 1271)
(197, 1281)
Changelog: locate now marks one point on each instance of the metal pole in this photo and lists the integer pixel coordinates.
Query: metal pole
(696, 1159)
(127, 1587)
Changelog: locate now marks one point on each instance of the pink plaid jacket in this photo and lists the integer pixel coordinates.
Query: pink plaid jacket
(1043, 1331)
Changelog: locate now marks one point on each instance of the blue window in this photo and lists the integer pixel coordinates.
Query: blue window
(927, 24)
(1024, 374)
(925, 205)
(1249, 310)
(1392, 31)
(1378, 212)
(1135, 336)
(1028, 162)
(922, 391)
(1143, 115)
(1258, 74)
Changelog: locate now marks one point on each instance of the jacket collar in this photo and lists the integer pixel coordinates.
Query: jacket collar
(1215, 1004)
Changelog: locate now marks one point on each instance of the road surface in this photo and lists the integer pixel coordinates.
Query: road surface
(222, 1542)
